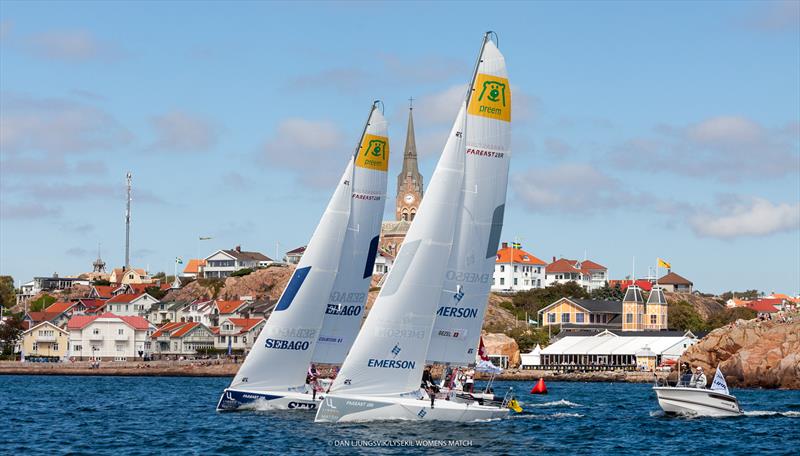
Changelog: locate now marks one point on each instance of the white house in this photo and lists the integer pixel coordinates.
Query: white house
(383, 262)
(240, 333)
(182, 339)
(198, 311)
(586, 273)
(130, 304)
(293, 256)
(165, 312)
(54, 283)
(223, 263)
(109, 337)
(517, 270)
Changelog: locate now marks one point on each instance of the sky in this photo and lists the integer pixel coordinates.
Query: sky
(640, 129)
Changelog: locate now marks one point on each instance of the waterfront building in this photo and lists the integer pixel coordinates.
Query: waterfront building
(130, 275)
(582, 315)
(45, 340)
(656, 310)
(109, 337)
(221, 309)
(293, 256)
(52, 284)
(223, 263)
(194, 268)
(517, 270)
(633, 309)
(586, 273)
(31, 319)
(764, 307)
(408, 195)
(675, 283)
(130, 304)
(182, 339)
(240, 333)
(615, 350)
(165, 312)
(102, 291)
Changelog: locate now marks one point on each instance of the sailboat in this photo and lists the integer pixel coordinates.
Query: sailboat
(319, 311)
(380, 378)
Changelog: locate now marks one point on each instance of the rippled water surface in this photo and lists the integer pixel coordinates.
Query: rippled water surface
(142, 415)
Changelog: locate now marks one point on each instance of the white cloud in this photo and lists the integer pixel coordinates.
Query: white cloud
(572, 188)
(738, 217)
(182, 132)
(729, 148)
(315, 150)
(56, 126)
(71, 46)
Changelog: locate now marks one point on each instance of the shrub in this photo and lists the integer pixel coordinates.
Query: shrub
(242, 272)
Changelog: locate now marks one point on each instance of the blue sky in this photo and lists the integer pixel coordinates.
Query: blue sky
(641, 129)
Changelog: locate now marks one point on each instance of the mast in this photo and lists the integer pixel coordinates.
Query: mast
(366, 125)
(470, 88)
(128, 222)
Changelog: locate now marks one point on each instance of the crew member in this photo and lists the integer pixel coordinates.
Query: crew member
(699, 379)
(428, 385)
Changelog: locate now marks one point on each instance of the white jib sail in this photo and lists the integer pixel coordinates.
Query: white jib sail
(388, 355)
(463, 301)
(345, 305)
(282, 352)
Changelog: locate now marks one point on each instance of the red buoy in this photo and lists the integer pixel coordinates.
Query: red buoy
(540, 387)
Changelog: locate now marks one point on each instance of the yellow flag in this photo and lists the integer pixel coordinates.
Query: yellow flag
(664, 264)
(514, 405)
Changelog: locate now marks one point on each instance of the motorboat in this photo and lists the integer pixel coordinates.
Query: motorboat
(684, 399)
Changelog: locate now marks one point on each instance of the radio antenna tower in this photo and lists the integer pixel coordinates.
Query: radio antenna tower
(128, 223)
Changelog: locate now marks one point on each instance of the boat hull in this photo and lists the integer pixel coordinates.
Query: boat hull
(696, 401)
(237, 399)
(352, 408)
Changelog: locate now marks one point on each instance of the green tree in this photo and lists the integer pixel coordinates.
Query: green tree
(7, 292)
(727, 316)
(10, 332)
(241, 272)
(37, 305)
(532, 301)
(747, 295)
(156, 292)
(101, 282)
(607, 293)
(682, 315)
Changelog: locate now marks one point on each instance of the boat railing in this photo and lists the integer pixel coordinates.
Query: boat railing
(508, 397)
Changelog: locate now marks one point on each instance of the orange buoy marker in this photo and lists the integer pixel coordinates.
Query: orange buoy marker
(540, 388)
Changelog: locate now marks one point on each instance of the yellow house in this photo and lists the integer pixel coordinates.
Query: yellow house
(633, 309)
(45, 339)
(133, 275)
(656, 311)
(582, 314)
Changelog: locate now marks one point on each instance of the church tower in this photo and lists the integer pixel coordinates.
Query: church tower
(409, 181)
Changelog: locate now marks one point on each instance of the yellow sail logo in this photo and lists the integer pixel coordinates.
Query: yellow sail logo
(491, 97)
(374, 153)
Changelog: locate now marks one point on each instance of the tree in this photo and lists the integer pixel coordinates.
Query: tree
(747, 295)
(532, 301)
(7, 291)
(727, 316)
(241, 272)
(101, 282)
(607, 293)
(10, 332)
(156, 292)
(37, 305)
(682, 315)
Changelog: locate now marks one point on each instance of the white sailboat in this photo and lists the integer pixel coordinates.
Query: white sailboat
(380, 378)
(319, 311)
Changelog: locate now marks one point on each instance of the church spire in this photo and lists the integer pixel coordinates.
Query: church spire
(410, 167)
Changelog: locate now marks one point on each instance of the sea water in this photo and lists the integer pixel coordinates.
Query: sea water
(175, 415)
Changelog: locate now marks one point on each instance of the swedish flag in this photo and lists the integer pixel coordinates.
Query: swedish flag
(516, 245)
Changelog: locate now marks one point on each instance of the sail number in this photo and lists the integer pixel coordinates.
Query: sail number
(343, 296)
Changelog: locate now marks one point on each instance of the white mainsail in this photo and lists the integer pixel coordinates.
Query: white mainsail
(345, 305)
(463, 300)
(388, 354)
(282, 352)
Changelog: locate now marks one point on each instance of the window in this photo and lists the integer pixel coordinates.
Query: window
(551, 318)
(120, 348)
(147, 345)
(579, 318)
(515, 268)
(515, 280)
(653, 319)
(502, 268)
(121, 332)
(591, 318)
(96, 331)
(55, 345)
(235, 339)
(126, 307)
(564, 318)
(244, 339)
(629, 318)
(78, 348)
(35, 346)
(502, 281)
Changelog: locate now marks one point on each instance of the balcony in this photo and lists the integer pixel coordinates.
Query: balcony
(49, 338)
(120, 337)
(94, 336)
